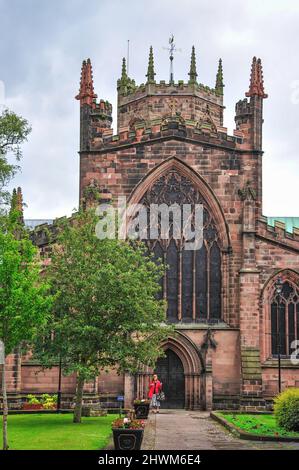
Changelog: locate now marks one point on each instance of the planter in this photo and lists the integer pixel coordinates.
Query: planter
(127, 439)
(141, 410)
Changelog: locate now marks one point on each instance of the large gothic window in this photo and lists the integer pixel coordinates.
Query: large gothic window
(284, 319)
(192, 282)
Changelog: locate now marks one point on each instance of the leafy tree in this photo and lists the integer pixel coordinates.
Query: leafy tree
(14, 130)
(106, 311)
(24, 299)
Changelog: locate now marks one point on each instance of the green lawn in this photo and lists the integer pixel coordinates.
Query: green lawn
(57, 432)
(257, 424)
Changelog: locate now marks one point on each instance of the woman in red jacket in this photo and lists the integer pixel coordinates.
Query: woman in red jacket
(155, 388)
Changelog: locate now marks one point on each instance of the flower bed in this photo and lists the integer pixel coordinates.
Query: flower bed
(32, 406)
(258, 426)
(45, 402)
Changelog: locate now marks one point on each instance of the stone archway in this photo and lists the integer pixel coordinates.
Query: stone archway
(192, 362)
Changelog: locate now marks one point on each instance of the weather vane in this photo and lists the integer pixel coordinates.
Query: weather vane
(171, 49)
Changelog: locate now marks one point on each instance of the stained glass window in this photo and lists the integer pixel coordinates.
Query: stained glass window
(284, 319)
(192, 283)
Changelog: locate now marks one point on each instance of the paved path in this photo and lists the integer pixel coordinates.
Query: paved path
(195, 430)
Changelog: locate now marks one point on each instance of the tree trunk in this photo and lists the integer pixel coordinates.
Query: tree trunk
(5, 408)
(79, 398)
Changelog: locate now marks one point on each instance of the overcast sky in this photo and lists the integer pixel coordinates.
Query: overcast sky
(42, 45)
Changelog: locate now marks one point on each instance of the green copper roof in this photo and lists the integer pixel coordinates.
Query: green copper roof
(290, 222)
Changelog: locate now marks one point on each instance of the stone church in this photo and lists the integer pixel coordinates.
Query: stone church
(235, 301)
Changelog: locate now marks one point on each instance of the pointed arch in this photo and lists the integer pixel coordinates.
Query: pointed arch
(286, 274)
(187, 351)
(193, 366)
(198, 181)
(279, 313)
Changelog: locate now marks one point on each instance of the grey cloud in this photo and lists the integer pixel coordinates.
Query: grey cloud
(43, 43)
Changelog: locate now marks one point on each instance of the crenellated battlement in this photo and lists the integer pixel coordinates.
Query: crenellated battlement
(278, 232)
(165, 88)
(243, 108)
(175, 126)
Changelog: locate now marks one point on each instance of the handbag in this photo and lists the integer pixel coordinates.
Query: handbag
(161, 395)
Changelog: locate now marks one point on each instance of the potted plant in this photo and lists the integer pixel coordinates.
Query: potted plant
(127, 433)
(141, 408)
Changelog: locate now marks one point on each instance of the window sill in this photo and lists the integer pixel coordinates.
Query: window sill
(202, 326)
(285, 363)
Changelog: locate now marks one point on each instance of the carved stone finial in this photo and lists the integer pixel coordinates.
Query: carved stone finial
(256, 86)
(86, 93)
(150, 69)
(219, 79)
(193, 72)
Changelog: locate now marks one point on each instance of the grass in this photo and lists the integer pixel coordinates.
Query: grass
(57, 432)
(261, 424)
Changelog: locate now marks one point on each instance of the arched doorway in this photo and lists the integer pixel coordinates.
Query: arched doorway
(170, 371)
(182, 367)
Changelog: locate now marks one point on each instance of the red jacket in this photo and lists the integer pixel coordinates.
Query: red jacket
(154, 388)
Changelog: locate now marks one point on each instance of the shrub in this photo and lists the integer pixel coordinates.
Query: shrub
(32, 400)
(286, 409)
(46, 402)
(49, 401)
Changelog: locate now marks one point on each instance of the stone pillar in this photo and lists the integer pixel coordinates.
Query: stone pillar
(196, 391)
(209, 380)
(142, 383)
(13, 379)
(129, 390)
(206, 388)
(209, 390)
(251, 392)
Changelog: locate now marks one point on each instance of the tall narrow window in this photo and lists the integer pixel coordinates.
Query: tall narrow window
(201, 283)
(187, 284)
(284, 310)
(215, 281)
(172, 281)
(159, 258)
